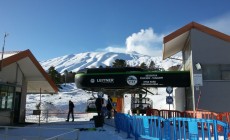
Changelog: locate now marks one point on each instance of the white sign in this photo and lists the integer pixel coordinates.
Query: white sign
(198, 80)
(169, 90)
(92, 80)
(132, 80)
(108, 80)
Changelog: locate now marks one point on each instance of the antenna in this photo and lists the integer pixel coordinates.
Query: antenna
(3, 47)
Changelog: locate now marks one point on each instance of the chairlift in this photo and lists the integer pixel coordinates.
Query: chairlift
(91, 107)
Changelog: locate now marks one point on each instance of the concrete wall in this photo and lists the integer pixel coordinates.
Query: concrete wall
(215, 96)
(207, 49)
(5, 117)
(179, 99)
(11, 74)
(23, 101)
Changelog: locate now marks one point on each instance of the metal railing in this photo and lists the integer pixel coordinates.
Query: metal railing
(47, 116)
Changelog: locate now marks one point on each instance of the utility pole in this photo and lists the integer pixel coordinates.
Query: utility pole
(3, 47)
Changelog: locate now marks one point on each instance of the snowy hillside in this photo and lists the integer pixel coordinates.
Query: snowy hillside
(74, 62)
(59, 102)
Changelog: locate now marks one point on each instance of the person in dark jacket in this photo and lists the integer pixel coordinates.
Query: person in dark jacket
(148, 111)
(109, 107)
(71, 106)
(99, 102)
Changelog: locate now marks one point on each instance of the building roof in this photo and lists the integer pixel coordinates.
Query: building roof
(174, 42)
(37, 79)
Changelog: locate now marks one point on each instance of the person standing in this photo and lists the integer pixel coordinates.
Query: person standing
(148, 111)
(109, 107)
(71, 106)
(99, 102)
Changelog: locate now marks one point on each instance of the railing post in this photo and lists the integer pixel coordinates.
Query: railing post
(146, 125)
(135, 127)
(215, 129)
(193, 130)
(39, 119)
(167, 129)
(128, 126)
(116, 118)
(47, 115)
(226, 131)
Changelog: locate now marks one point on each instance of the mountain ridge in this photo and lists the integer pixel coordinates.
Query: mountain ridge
(75, 62)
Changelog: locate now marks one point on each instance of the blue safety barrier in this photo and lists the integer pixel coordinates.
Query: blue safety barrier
(194, 129)
(155, 127)
(123, 122)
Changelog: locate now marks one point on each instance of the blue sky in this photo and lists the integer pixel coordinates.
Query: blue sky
(53, 28)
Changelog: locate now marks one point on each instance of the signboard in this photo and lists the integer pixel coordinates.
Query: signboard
(133, 80)
(169, 90)
(198, 80)
(169, 100)
(36, 112)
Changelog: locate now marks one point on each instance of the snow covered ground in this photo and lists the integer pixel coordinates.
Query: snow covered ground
(58, 103)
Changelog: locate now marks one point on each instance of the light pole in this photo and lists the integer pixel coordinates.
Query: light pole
(3, 47)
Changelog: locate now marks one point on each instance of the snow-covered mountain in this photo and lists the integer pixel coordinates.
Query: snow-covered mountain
(75, 62)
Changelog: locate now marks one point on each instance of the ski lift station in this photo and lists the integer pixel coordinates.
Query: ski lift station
(201, 83)
(20, 74)
(198, 90)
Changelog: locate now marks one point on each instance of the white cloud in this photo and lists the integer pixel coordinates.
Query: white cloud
(221, 23)
(146, 41)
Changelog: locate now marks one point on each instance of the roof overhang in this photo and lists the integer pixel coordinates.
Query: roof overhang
(175, 42)
(37, 79)
(175, 45)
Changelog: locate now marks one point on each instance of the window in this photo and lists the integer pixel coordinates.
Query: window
(3, 95)
(6, 97)
(225, 75)
(10, 98)
(216, 72)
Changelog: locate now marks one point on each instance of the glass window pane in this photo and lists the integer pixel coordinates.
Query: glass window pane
(6, 97)
(3, 100)
(225, 75)
(225, 67)
(10, 98)
(3, 95)
(211, 72)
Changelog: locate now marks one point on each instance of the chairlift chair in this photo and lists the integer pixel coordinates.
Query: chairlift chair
(91, 107)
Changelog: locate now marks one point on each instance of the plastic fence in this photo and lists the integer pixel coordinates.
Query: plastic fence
(176, 128)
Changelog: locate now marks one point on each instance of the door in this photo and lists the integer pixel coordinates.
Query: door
(17, 107)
